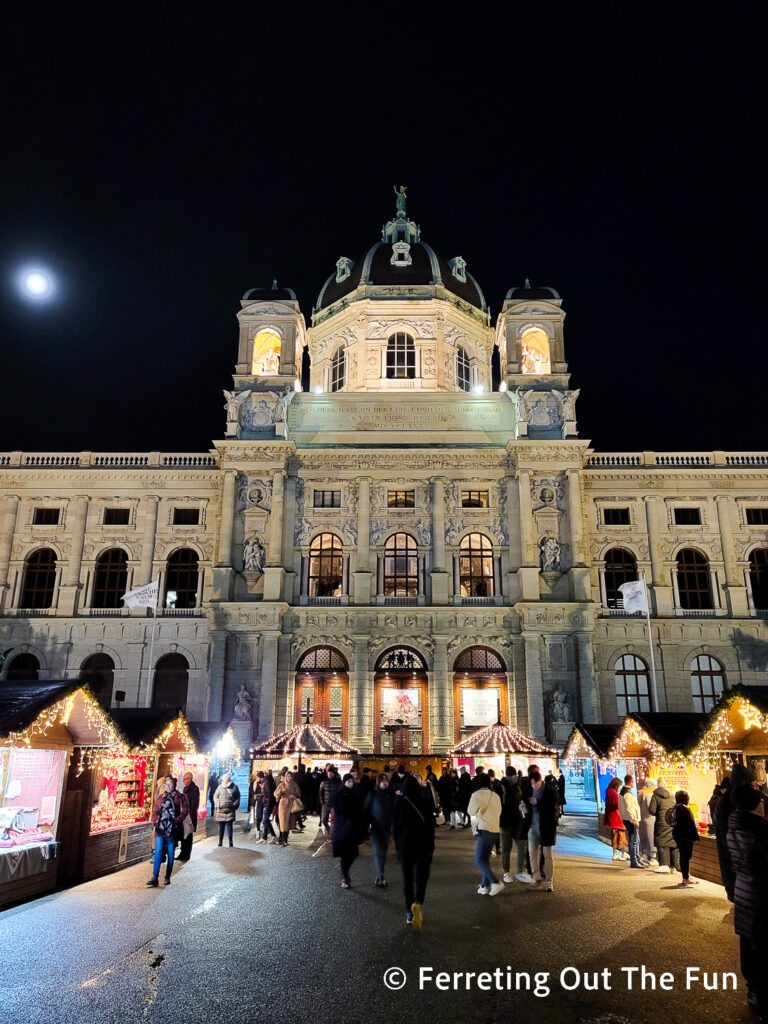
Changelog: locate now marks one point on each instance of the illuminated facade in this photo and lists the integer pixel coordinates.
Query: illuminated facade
(411, 547)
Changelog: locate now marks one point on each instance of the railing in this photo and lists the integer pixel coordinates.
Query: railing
(619, 613)
(33, 613)
(97, 613)
(401, 600)
(109, 460)
(180, 613)
(324, 600)
(676, 460)
(699, 613)
(614, 460)
(478, 600)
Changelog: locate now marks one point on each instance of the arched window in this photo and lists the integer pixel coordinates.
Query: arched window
(632, 690)
(479, 659)
(181, 578)
(534, 351)
(23, 666)
(463, 370)
(266, 354)
(401, 357)
(401, 566)
(325, 566)
(110, 579)
(758, 577)
(98, 674)
(693, 582)
(707, 682)
(338, 370)
(171, 682)
(476, 566)
(620, 567)
(39, 579)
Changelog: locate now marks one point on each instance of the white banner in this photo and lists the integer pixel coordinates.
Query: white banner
(144, 597)
(480, 707)
(635, 596)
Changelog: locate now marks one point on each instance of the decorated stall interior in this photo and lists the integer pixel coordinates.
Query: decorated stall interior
(587, 769)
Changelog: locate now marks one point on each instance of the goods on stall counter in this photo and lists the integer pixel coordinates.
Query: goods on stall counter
(122, 801)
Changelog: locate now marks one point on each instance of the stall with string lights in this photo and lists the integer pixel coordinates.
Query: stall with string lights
(587, 767)
(48, 731)
(494, 746)
(306, 744)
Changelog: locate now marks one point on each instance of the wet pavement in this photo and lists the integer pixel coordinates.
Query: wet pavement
(258, 933)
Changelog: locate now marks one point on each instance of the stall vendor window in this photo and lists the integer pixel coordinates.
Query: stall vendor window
(123, 793)
(199, 766)
(30, 791)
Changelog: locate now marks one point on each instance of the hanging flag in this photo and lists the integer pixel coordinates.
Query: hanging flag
(635, 596)
(144, 597)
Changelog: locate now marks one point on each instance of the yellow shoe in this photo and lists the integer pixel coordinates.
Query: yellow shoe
(416, 911)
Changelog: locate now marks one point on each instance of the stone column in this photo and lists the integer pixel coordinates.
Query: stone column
(148, 539)
(581, 589)
(534, 687)
(590, 698)
(528, 573)
(268, 690)
(362, 577)
(77, 520)
(734, 580)
(360, 711)
(662, 591)
(227, 521)
(7, 530)
(439, 575)
(441, 699)
(274, 573)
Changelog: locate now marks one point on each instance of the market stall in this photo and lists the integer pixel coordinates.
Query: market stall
(47, 730)
(307, 744)
(496, 746)
(118, 786)
(587, 769)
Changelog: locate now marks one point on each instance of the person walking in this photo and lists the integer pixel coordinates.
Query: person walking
(257, 805)
(612, 819)
(328, 789)
(497, 789)
(629, 810)
(647, 825)
(685, 834)
(192, 792)
(465, 792)
(169, 810)
(485, 807)
(414, 832)
(347, 827)
(509, 824)
(747, 841)
(286, 794)
(662, 806)
(544, 801)
(226, 800)
(213, 784)
(377, 811)
(444, 792)
(740, 776)
(268, 787)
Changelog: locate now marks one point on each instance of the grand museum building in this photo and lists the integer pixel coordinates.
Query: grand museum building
(420, 527)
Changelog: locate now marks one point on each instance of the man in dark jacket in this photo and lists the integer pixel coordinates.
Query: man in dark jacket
(509, 823)
(414, 831)
(192, 793)
(662, 807)
(444, 792)
(740, 776)
(328, 788)
(747, 840)
(465, 792)
(268, 788)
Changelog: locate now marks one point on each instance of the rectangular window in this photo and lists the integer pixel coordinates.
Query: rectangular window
(186, 516)
(46, 516)
(616, 516)
(117, 516)
(327, 499)
(474, 499)
(401, 499)
(757, 516)
(687, 517)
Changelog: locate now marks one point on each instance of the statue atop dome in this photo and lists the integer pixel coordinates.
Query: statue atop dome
(400, 200)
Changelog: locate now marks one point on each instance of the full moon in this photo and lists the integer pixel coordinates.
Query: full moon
(36, 284)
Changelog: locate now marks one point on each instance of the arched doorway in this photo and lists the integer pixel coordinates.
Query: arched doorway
(400, 703)
(98, 674)
(322, 690)
(171, 682)
(479, 690)
(23, 666)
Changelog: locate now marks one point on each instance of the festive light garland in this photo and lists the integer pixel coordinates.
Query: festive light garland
(303, 739)
(501, 739)
(632, 734)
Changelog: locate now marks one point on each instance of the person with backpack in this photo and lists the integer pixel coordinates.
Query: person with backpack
(414, 832)
(226, 799)
(662, 806)
(485, 807)
(685, 834)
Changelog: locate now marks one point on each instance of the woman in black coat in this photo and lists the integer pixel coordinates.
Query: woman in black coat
(685, 834)
(414, 830)
(347, 827)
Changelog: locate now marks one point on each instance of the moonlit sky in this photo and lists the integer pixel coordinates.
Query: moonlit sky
(163, 164)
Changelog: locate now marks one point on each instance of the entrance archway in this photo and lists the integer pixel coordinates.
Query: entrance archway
(401, 711)
(322, 690)
(479, 690)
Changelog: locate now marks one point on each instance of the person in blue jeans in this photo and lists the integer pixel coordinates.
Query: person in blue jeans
(485, 807)
(629, 809)
(169, 811)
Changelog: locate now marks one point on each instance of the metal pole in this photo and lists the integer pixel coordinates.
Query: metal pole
(151, 650)
(650, 642)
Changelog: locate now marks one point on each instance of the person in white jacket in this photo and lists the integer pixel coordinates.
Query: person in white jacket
(485, 805)
(629, 809)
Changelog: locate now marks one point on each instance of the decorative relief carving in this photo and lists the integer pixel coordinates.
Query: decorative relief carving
(548, 492)
(381, 328)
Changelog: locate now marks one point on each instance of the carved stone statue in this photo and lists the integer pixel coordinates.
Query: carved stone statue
(243, 706)
(234, 400)
(550, 554)
(400, 200)
(254, 555)
(559, 709)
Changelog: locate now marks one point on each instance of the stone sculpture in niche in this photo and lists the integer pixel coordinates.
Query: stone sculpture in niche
(254, 555)
(550, 554)
(243, 706)
(559, 708)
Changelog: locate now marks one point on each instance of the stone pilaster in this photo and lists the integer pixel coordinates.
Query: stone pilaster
(590, 698)
(71, 587)
(268, 690)
(363, 577)
(274, 573)
(360, 711)
(440, 577)
(662, 590)
(528, 573)
(152, 502)
(735, 585)
(441, 699)
(534, 684)
(7, 530)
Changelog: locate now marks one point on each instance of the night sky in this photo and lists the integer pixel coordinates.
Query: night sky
(166, 161)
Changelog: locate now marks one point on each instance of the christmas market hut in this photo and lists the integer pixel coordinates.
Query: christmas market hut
(495, 746)
(587, 768)
(306, 744)
(48, 731)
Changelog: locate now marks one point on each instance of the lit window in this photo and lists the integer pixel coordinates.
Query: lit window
(534, 351)
(476, 566)
(266, 354)
(474, 499)
(463, 370)
(338, 368)
(325, 566)
(632, 691)
(401, 357)
(401, 567)
(707, 682)
(401, 499)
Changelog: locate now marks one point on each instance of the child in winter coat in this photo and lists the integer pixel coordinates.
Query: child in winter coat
(685, 834)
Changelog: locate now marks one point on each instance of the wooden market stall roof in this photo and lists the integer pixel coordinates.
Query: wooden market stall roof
(164, 729)
(57, 712)
(303, 739)
(738, 722)
(656, 734)
(590, 742)
(500, 739)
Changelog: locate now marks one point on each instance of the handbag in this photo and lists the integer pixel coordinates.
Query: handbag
(297, 806)
(186, 826)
